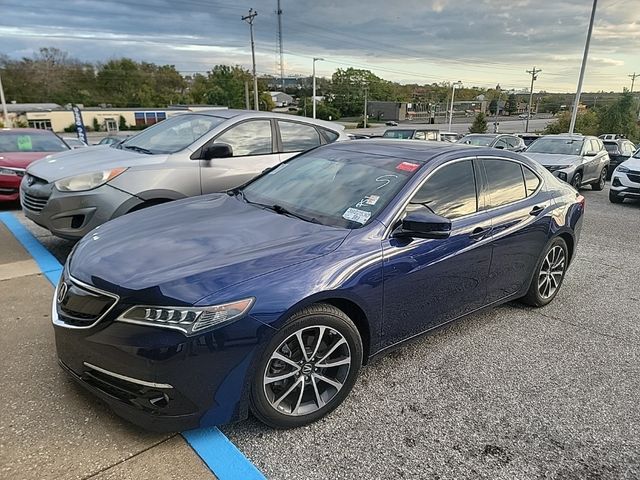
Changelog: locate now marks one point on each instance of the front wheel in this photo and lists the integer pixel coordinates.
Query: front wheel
(549, 274)
(308, 368)
(599, 185)
(576, 181)
(614, 198)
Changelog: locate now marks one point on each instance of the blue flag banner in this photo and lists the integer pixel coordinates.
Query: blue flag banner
(80, 130)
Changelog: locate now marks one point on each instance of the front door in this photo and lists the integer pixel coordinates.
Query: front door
(430, 282)
(254, 151)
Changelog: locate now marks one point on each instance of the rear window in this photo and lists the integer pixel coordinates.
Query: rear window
(612, 147)
(30, 142)
(298, 137)
(404, 134)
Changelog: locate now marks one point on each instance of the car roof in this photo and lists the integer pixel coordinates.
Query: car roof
(233, 113)
(37, 131)
(412, 127)
(568, 136)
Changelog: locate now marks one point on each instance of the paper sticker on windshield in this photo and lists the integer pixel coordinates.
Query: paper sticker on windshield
(408, 167)
(24, 143)
(356, 215)
(368, 200)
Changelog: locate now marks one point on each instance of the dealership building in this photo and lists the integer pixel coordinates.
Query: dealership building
(51, 116)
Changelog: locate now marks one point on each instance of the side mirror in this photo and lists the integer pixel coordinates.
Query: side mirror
(500, 147)
(423, 224)
(590, 153)
(216, 150)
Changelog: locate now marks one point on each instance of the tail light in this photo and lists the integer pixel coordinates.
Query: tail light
(581, 200)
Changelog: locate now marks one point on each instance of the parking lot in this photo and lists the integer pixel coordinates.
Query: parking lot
(511, 393)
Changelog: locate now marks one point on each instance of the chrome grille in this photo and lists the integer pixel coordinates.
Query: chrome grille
(78, 305)
(33, 203)
(634, 177)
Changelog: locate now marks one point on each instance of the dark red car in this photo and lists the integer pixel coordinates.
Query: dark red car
(19, 147)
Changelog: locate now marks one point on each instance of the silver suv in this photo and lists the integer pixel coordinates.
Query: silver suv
(577, 159)
(183, 156)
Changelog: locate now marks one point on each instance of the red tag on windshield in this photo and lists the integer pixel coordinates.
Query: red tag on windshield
(407, 167)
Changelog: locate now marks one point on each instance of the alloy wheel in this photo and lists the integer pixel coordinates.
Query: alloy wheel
(307, 370)
(551, 272)
(603, 178)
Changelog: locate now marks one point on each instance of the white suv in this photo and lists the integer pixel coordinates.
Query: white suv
(625, 181)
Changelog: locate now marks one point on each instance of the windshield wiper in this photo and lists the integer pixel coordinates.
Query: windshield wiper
(283, 211)
(138, 149)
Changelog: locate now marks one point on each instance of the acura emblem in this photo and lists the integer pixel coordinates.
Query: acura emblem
(30, 181)
(62, 292)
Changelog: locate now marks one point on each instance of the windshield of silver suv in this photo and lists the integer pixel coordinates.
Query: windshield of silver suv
(171, 135)
(560, 146)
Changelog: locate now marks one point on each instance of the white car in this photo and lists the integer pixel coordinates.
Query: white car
(625, 181)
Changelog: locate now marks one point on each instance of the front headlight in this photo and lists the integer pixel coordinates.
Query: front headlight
(622, 169)
(189, 320)
(87, 181)
(8, 171)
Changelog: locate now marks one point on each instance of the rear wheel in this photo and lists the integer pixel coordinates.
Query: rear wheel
(576, 181)
(549, 274)
(308, 368)
(599, 185)
(614, 198)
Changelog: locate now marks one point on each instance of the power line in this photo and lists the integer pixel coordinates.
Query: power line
(249, 19)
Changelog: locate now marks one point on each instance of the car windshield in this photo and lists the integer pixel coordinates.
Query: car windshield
(561, 146)
(172, 135)
(398, 134)
(477, 140)
(30, 142)
(332, 187)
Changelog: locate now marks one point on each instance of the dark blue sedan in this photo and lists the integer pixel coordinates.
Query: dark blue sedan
(270, 297)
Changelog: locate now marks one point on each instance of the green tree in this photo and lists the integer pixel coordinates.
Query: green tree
(479, 124)
(586, 123)
(122, 123)
(348, 90)
(512, 104)
(621, 118)
(324, 110)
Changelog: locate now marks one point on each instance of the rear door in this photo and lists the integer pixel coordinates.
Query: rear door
(296, 137)
(253, 145)
(520, 216)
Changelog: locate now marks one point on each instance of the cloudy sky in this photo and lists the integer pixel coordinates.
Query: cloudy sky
(481, 42)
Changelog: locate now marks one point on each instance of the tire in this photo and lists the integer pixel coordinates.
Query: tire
(310, 396)
(554, 259)
(602, 180)
(576, 181)
(613, 198)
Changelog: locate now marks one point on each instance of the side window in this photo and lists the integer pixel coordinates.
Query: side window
(628, 148)
(420, 135)
(450, 191)
(595, 147)
(506, 183)
(298, 137)
(330, 135)
(501, 143)
(248, 138)
(531, 181)
(432, 135)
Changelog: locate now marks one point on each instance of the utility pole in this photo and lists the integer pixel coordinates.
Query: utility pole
(453, 91)
(249, 19)
(280, 48)
(495, 121)
(576, 102)
(314, 84)
(534, 77)
(7, 122)
(246, 95)
(633, 79)
(366, 92)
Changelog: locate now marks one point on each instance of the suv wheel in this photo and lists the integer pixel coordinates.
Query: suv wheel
(308, 368)
(613, 198)
(599, 185)
(576, 181)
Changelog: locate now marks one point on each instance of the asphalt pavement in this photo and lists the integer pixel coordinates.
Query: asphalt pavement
(510, 393)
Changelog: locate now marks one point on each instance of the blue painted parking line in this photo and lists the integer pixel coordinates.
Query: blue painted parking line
(212, 446)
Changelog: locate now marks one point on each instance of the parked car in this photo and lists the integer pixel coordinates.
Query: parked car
(523, 116)
(74, 142)
(625, 181)
(451, 137)
(494, 140)
(18, 148)
(272, 296)
(391, 123)
(576, 159)
(185, 155)
(358, 136)
(619, 151)
(528, 138)
(409, 133)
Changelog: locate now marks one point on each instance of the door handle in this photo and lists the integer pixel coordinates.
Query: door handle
(479, 233)
(537, 210)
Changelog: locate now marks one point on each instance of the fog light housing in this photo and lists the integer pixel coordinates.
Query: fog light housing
(616, 182)
(562, 176)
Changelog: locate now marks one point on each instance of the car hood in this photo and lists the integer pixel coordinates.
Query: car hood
(633, 163)
(180, 252)
(553, 158)
(87, 160)
(20, 159)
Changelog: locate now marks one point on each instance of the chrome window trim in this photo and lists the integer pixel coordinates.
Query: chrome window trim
(144, 383)
(54, 310)
(396, 217)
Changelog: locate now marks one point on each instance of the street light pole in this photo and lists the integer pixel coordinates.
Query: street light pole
(315, 59)
(453, 91)
(533, 73)
(249, 19)
(576, 102)
(7, 123)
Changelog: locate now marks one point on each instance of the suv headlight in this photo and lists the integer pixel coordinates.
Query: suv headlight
(622, 169)
(189, 320)
(87, 181)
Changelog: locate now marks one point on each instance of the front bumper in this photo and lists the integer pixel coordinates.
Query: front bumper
(565, 174)
(160, 379)
(9, 187)
(626, 185)
(70, 215)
